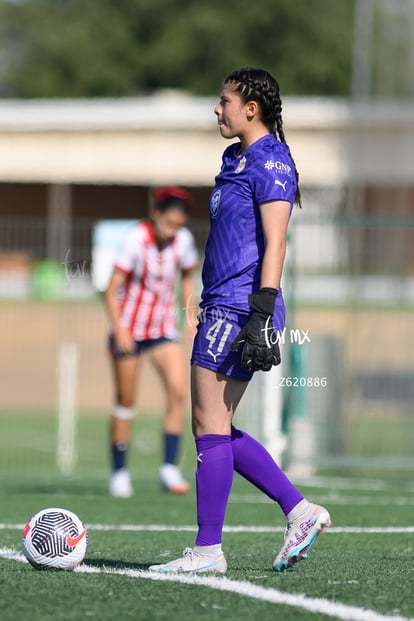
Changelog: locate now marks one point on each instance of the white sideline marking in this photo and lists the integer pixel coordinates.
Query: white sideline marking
(342, 483)
(244, 588)
(336, 530)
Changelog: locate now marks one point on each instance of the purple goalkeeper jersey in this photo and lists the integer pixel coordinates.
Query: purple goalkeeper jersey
(235, 246)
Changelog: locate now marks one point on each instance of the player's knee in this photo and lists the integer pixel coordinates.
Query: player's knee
(177, 396)
(121, 412)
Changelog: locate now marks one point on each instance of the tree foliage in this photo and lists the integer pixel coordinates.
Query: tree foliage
(101, 48)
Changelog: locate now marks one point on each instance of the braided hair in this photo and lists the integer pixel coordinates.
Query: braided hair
(260, 86)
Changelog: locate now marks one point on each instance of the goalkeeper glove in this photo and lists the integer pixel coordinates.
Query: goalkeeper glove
(260, 341)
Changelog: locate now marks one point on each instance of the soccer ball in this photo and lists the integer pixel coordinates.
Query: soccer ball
(55, 539)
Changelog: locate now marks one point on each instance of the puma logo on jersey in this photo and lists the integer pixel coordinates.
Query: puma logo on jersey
(283, 185)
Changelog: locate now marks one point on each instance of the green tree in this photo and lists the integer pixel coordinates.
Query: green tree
(91, 48)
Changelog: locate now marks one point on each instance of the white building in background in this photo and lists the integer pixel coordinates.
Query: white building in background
(173, 137)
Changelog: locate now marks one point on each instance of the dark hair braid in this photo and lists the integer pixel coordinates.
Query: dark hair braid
(279, 122)
(259, 85)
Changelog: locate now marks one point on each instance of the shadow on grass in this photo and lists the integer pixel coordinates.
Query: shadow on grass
(53, 488)
(103, 563)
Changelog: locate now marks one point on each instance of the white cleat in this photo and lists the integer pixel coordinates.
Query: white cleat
(120, 484)
(193, 561)
(300, 535)
(172, 480)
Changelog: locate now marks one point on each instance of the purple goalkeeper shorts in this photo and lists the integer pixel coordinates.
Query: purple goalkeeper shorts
(217, 328)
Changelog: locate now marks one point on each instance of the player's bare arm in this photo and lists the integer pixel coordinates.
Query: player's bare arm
(123, 337)
(189, 303)
(275, 218)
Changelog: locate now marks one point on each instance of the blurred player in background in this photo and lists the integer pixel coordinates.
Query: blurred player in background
(140, 300)
(242, 313)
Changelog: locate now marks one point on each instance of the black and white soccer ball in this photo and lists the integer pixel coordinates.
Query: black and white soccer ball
(55, 539)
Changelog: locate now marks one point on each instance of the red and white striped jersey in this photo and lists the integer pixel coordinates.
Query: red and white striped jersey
(147, 298)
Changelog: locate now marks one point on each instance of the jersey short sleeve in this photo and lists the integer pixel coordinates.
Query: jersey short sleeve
(126, 257)
(274, 175)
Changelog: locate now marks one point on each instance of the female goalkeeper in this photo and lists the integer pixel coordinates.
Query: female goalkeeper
(242, 314)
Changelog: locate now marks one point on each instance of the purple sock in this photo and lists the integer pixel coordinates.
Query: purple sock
(255, 464)
(214, 478)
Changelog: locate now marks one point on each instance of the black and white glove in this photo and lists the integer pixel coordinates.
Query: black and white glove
(258, 337)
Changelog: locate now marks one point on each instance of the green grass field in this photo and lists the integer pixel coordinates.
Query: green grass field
(362, 570)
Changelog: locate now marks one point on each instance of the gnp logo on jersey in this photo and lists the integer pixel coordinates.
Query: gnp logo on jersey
(279, 166)
(215, 203)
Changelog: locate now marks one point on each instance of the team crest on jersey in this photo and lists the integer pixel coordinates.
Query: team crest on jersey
(215, 203)
(241, 166)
